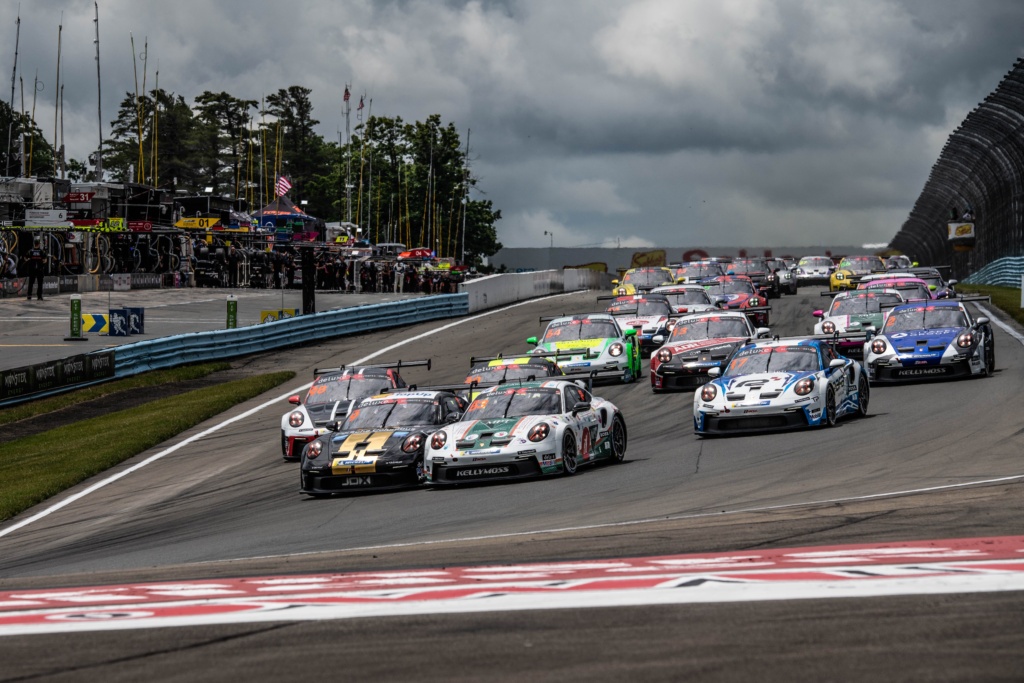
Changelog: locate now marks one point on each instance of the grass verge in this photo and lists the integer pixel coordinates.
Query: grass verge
(147, 379)
(1006, 299)
(37, 467)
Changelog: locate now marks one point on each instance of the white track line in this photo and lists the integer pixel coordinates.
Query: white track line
(1003, 326)
(217, 427)
(635, 522)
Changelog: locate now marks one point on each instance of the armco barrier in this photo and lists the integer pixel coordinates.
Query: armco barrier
(197, 347)
(1005, 272)
(506, 288)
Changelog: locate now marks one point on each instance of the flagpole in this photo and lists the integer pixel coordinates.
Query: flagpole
(369, 186)
(348, 155)
(465, 196)
(14, 75)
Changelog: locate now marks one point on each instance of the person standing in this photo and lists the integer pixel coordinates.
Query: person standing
(36, 259)
(10, 266)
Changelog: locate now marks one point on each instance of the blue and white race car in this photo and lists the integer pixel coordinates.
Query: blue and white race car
(931, 340)
(780, 384)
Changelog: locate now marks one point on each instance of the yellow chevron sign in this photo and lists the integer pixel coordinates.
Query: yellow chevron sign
(94, 322)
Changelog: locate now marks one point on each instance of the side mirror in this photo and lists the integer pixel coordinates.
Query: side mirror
(659, 339)
(982, 321)
(452, 418)
(763, 332)
(836, 363)
(932, 288)
(580, 407)
(615, 282)
(629, 333)
(721, 301)
(714, 372)
(952, 283)
(335, 426)
(819, 314)
(532, 340)
(295, 400)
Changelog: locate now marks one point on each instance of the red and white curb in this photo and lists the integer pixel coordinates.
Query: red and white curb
(918, 568)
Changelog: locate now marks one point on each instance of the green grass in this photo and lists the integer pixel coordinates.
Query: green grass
(37, 467)
(148, 379)
(1006, 299)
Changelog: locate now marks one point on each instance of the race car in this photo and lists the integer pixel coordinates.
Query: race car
(531, 430)
(759, 273)
(931, 340)
(851, 269)
(501, 369)
(781, 384)
(736, 292)
(686, 298)
(931, 276)
(813, 270)
(910, 288)
(648, 314)
(898, 262)
(595, 341)
(698, 343)
(855, 311)
(329, 398)
(379, 445)
(639, 280)
(784, 273)
(695, 271)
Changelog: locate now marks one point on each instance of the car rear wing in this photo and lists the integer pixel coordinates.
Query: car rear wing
(752, 309)
(628, 311)
(548, 318)
(925, 301)
(971, 298)
(590, 376)
(473, 360)
(396, 365)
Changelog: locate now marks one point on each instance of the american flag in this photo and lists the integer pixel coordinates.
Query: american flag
(283, 186)
(360, 103)
(348, 95)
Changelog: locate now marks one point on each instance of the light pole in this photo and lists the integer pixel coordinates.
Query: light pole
(552, 236)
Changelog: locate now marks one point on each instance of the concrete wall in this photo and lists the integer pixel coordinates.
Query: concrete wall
(507, 288)
(528, 259)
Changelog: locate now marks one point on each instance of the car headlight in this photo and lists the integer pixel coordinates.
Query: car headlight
(615, 350)
(965, 340)
(708, 392)
(804, 386)
(622, 291)
(296, 419)
(839, 276)
(412, 443)
(539, 432)
(314, 450)
(438, 441)
(878, 346)
(828, 327)
(664, 356)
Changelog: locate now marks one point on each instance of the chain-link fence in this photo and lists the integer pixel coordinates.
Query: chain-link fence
(981, 169)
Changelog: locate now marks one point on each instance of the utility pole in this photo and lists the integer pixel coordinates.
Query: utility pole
(14, 74)
(99, 97)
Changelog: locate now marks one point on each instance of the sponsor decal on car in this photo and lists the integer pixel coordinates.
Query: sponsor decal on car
(483, 471)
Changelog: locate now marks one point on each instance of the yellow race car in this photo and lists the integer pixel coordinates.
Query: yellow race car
(847, 275)
(639, 280)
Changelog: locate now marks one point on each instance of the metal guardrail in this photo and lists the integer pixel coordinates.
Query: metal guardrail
(143, 356)
(981, 166)
(1006, 272)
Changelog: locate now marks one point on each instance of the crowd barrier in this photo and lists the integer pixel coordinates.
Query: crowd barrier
(1006, 272)
(52, 284)
(505, 288)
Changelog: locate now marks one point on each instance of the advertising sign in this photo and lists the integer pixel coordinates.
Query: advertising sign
(140, 226)
(46, 215)
(961, 230)
(78, 197)
(197, 223)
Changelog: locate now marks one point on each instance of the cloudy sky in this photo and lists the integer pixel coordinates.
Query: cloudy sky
(670, 122)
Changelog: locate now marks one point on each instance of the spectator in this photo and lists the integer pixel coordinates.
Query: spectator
(10, 269)
(36, 259)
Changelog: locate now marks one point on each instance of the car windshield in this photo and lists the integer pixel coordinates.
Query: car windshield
(729, 287)
(515, 403)
(640, 308)
(815, 262)
(393, 412)
(744, 267)
(699, 272)
(647, 278)
(709, 328)
(345, 387)
(925, 318)
(862, 305)
(932, 280)
(689, 297)
(864, 263)
(571, 330)
(497, 373)
(774, 359)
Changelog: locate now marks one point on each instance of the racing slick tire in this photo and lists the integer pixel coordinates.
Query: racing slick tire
(990, 358)
(627, 375)
(863, 395)
(570, 461)
(618, 439)
(830, 408)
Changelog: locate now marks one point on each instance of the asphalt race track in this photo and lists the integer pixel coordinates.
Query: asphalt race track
(227, 505)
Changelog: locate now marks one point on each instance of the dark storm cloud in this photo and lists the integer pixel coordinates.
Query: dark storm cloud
(664, 121)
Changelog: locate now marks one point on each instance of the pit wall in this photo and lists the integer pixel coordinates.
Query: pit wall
(507, 288)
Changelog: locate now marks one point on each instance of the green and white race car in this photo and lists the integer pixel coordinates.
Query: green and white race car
(591, 341)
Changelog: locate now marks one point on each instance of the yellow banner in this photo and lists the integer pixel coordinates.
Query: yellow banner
(197, 223)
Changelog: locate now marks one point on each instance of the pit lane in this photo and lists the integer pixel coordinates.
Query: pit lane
(230, 496)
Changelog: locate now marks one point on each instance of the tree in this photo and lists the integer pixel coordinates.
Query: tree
(303, 153)
(224, 131)
(481, 235)
(15, 123)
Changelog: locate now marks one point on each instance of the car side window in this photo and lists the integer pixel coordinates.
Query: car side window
(451, 405)
(573, 395)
